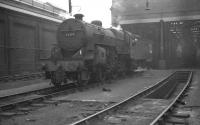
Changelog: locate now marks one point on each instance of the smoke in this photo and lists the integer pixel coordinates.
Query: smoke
(117, 9)
(118, 27)
(116, 20)
(117, 5)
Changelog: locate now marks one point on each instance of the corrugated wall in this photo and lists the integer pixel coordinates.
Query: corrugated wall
(25, 42)
(48, 39)
(22, 45)
(3, 58)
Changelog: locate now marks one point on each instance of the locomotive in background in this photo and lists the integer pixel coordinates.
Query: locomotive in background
(86, 51)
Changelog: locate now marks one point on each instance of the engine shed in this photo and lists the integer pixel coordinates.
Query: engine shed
(27, 34)
(172, 27)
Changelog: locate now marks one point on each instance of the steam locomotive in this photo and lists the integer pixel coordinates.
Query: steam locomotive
(86, 51)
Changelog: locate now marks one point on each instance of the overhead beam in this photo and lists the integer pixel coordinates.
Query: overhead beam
(165, 19)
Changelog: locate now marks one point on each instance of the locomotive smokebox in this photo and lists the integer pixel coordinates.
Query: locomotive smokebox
(79, 16)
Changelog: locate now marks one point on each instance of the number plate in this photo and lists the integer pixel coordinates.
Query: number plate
(70, 34)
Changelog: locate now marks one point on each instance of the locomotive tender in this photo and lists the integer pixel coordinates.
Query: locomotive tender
(86, 51)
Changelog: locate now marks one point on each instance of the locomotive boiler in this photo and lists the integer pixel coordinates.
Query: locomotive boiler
(86, 51)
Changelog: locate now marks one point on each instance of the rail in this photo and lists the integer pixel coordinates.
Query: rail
(11, 101)
(147, 91)
(135, 96)
(155, 121)
(21, 76)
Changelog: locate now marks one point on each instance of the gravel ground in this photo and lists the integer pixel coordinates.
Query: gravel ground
(61, 113)
(140, 113)
(73, 107)
(120, 89)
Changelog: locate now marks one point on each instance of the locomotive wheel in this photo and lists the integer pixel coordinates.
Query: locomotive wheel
(88, 78)
(54, 81)
(83, 78)
(114, 75)
(84, 82)
(58, 77)
(101, 76)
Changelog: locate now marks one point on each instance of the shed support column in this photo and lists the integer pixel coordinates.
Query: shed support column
(162, 62)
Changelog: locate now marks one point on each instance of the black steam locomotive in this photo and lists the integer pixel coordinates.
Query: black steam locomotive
(86, 51)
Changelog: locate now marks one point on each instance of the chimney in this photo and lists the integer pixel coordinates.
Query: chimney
(97, 22)
(79, 16)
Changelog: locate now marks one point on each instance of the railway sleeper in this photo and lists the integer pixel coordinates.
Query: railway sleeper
(4, 78)
(177, 121)
(21, 76)
(177, 118)
(7, 114)
(181, 115)
(181, 102)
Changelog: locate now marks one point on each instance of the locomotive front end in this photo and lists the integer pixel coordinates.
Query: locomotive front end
(67, 55)
(70, 36)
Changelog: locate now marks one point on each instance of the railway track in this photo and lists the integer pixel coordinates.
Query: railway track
(12, 101)
(154, 106)
(26, 76)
